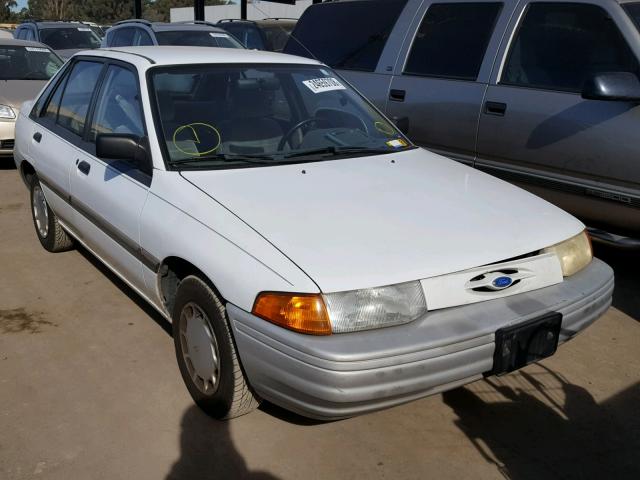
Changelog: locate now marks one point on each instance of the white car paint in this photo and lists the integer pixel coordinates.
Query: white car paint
(341, 225)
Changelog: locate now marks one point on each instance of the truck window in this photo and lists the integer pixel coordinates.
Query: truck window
(452, 40)
(559, 45)
(346, 35)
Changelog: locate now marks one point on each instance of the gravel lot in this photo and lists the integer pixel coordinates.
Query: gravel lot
(89, 389)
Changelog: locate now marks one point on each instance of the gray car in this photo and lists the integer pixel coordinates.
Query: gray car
(65, 38)
(543, 94)
(134, 33)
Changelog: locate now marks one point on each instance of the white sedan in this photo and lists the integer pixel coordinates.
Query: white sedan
(305, 251)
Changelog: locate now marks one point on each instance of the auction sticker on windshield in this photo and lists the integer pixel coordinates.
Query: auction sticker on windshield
(319, 85)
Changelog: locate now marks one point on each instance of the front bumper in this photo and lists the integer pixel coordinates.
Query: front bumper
(7, 134)
(343, 375)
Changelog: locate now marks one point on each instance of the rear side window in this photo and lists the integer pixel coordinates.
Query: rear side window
(560, 45)
(123, 37)
(452, 40)
(633, 10)
(143, 38)
(346, 35)
(77, 96)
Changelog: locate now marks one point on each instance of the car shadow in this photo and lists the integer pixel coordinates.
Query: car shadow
(539, 425)
(207, 451)
(127, 290)
(573, 120)
(6, 163)
(623, 262)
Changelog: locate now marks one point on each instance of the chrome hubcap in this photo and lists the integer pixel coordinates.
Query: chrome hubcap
(199, 348)
(40, 211)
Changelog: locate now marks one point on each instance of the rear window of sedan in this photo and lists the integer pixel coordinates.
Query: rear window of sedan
(197, 38)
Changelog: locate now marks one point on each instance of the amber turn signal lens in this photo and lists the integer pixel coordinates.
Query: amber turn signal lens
(301, 312)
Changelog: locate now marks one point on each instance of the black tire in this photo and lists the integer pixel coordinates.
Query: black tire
(233, 395)
(56, 239)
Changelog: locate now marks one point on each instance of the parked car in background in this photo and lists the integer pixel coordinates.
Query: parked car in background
(543, 94)
(267, 34)
(305, 251)
(99, 30)
(25, 68)
(142, 32)
(65, 38)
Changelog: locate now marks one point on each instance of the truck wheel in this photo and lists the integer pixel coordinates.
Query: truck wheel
(206, 353)
(50, 233)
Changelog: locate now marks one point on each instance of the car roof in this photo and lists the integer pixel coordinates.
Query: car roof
(263, 22)
(55, 24)
(22, 43)
(148, 56)
(170, 27)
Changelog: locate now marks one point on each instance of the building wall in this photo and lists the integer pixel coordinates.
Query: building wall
(255, 11)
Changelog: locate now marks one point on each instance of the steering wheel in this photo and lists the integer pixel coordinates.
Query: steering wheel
(286, 137)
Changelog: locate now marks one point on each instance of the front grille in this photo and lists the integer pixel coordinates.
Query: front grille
(6, 144)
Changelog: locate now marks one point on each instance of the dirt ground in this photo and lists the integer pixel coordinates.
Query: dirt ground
(89, 389)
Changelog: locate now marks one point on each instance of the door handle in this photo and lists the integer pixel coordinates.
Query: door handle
(495, 108)
(37, 137)
(397, 95)
(84, 167)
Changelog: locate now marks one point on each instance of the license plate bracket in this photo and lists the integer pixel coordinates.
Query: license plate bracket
(525, 343)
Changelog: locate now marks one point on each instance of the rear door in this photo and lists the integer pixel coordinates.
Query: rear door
(109, 195)
(56, 139)
(442, 73)
(538, 131)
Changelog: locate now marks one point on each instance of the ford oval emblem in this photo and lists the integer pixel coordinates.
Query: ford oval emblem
(502, 282)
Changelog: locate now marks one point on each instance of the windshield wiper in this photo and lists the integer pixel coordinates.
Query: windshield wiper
(334, 150)
(225, 157)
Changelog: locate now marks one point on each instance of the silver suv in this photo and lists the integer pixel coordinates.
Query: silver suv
(130, 33)
(543, 94)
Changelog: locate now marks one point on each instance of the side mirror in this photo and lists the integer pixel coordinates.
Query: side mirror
(131, 148)
(612, 86)
(402, 123)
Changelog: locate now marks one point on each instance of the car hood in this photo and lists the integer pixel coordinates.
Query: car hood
(379, 220)
(14, 92)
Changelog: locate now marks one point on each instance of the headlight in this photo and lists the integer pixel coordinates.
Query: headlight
(574, 254)
(341, 312)
(7, 112)
(375, 307)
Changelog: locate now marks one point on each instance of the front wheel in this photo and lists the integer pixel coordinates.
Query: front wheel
(206, 353)
(50, 233)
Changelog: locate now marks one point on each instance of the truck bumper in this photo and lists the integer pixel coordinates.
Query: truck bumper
(343, 375)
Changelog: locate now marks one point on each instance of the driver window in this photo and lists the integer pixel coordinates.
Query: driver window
(118, 109)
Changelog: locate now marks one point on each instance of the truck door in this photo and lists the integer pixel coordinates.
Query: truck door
(442, 72)
(537, 130)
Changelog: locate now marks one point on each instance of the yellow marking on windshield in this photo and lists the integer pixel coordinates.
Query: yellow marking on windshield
(205, 130)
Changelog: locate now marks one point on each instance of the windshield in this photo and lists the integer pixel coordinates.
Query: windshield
(197, 38)
(69, 38)
(27, 63)
(222, 116)
(633, 10)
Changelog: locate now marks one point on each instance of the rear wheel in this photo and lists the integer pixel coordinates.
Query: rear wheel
(206, 353)
(50, 233)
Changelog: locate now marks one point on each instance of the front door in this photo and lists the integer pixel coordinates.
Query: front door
(538, 131)
(109, 195)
